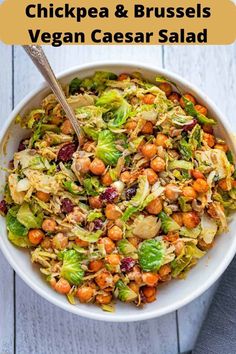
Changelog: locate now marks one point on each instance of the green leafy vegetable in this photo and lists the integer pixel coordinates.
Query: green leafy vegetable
(190, 109)
(125, 247)
(93, 215)
(183, 203)
(167, 223)
(162, 79)
(180, 164)
(151, 255)
(190, 233)
(72, 187)
(230, 157)
(106, 149)
(196, 137)
(74, 86)
(185, 149)
(86, 235)
(92, 186)
(27, 218)
(125, 294)
(71, 269)
(13, 225)
(19, 241)
(89, 131)
(98, 81)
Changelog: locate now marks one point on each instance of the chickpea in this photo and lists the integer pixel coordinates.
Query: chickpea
(204, 246)
(222, 147)
(112, 212)
(161, 140)
(149, 150)
(62, 286)
(123, 77)
(108, 244)
(76, 215)
(174, 97)
(35, 236)
(131, 125)
(191, 219)
(106, 179)
(95, 265)
(104, 279)
(150, 279)
(85, 294)
(82, 165)
(95, 202)
(166, 88)
(207, 128)
(197, 174)
(201, 109)
(172, 236)
(149, 98)
(178, 217)
(46, 243)
(133, 286)
(97, 167)
(150, 299)
(172, 192)
(115, 233)
(147, 128)
(209, 139)
(53, 282)
(49, 225)
(224, 185)
(188, 97)
(151, 175)
(113, 259)
(104, 299)
(158, 164)
(213, 212)
(149, 291)
(81, 243)
(60, 241)
(154, 207)
(125, 177)
(164, 270)
(189, 193)
(179, 247)
(200, 185)
(66, 127)
(45, 197)
(134, 240)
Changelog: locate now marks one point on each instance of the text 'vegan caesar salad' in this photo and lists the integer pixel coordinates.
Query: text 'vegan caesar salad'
(140, 201)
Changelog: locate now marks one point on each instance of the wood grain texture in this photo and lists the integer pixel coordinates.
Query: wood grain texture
(6, 273)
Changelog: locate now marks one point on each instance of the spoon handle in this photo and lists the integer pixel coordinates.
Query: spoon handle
(40, 60)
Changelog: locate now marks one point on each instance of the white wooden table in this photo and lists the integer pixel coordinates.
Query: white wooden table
(31, 325)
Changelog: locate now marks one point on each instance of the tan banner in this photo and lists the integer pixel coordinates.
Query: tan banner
(118, 22)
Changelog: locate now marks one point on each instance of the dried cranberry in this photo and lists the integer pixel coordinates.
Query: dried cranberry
(189, 127)
(3, 207)
(130, 192)
(127, 264)
(98, 224)
(67, 205)
(22, 145)
(109, 195)
(66, 152)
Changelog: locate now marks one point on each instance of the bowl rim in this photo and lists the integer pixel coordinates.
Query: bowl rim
(139, 316)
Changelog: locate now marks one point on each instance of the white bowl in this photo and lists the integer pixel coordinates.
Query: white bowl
(171, 296)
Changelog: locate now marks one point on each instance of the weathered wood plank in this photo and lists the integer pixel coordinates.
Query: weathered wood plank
(213, 70)
(6, 273)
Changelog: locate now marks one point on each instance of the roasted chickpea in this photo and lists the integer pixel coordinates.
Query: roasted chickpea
(161, 140)
(45, 197)
(164, 270)
(95, 202)
(150, 299)
(178, 217)
(62, 286)
(174, 97)
(172, 192)
(151, 175)
(82, 165)
(222, 147)
(212, 211)
(154, 207)
(204, 246)
(131, 125)
(35, 236)
(172, 236)
(197, 174)
(56, 120)
(149, 150)
(166, 88)
(46, 243)
(179, 245)
(158, 164)
(134, 240)
(189, 193)
(115, 233)
(123, 77)
(104, 299)
(149, 291)
(147, 128)
(108, 244)
(112, 212)
(188, 97)
(133, 286)
(49, 225)
(60, 241)
(125, 177)
(191, 219)
(113, 259)
(97, 167)
(66, 127)
(200, 185)
(149, 98)
(209, 139)
(95, 265)
(104, 279)
(106, 179)
(207, 128)
(225, 185)
(201, 109)
(150, 279)
(85, 294)
(81, 243)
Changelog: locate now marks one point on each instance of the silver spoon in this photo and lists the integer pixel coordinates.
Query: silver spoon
(40, 60)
